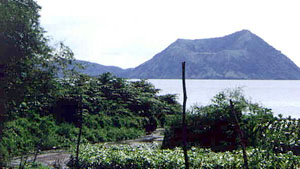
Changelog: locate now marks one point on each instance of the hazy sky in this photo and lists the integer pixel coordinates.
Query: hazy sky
(126, 33)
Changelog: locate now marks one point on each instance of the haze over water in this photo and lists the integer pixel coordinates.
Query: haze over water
(282, 96)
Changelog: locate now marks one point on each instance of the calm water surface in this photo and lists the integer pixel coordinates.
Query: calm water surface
(282, 96)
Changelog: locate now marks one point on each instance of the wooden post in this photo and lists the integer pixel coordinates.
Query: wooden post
(36, 152)
(80, 131)
(184, 130)
(240, 134)
(21, 161)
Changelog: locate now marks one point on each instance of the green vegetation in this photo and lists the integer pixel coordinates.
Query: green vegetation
(113, 109)
(213, 126)
(145, 156)
(272, 142)
(36, 166)
(40, 111)
(28, 66)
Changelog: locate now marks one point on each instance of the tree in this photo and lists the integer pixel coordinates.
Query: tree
(28, 64)
(26, 57)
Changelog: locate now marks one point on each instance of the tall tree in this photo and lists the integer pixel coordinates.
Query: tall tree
(28, 64)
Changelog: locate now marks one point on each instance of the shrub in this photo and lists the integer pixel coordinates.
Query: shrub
(213, 126)
(150, 156)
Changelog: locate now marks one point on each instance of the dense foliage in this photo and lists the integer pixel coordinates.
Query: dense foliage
(41, 111)
(28, 66)
(214, 126)
(145, 156)
(113, 109)
(273, 142)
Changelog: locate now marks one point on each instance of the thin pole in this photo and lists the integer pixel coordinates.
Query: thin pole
(80, 132)
(184, 131)
(240, 134)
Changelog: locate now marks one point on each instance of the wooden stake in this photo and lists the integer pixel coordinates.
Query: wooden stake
(80, 132)
(240, 134)
(184, 131)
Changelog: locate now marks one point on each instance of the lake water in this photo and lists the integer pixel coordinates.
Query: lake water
(282, 96)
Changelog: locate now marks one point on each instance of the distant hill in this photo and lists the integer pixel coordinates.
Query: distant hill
(94, 69)
(241, 55)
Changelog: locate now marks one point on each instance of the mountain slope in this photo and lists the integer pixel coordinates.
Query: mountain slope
(94, 69)
(241, 55)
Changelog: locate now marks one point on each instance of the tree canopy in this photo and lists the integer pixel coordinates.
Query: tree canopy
(27, 61)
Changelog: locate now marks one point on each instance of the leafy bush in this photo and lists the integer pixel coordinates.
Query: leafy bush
(35, 166)
(145, 156)
(281, 135)
(213, 126)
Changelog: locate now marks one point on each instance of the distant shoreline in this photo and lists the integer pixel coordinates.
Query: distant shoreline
(220, 79)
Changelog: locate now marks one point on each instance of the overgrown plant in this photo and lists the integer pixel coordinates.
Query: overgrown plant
(151, 156)
(213, 127)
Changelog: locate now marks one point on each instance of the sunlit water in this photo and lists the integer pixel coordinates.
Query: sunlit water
(282, 96)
